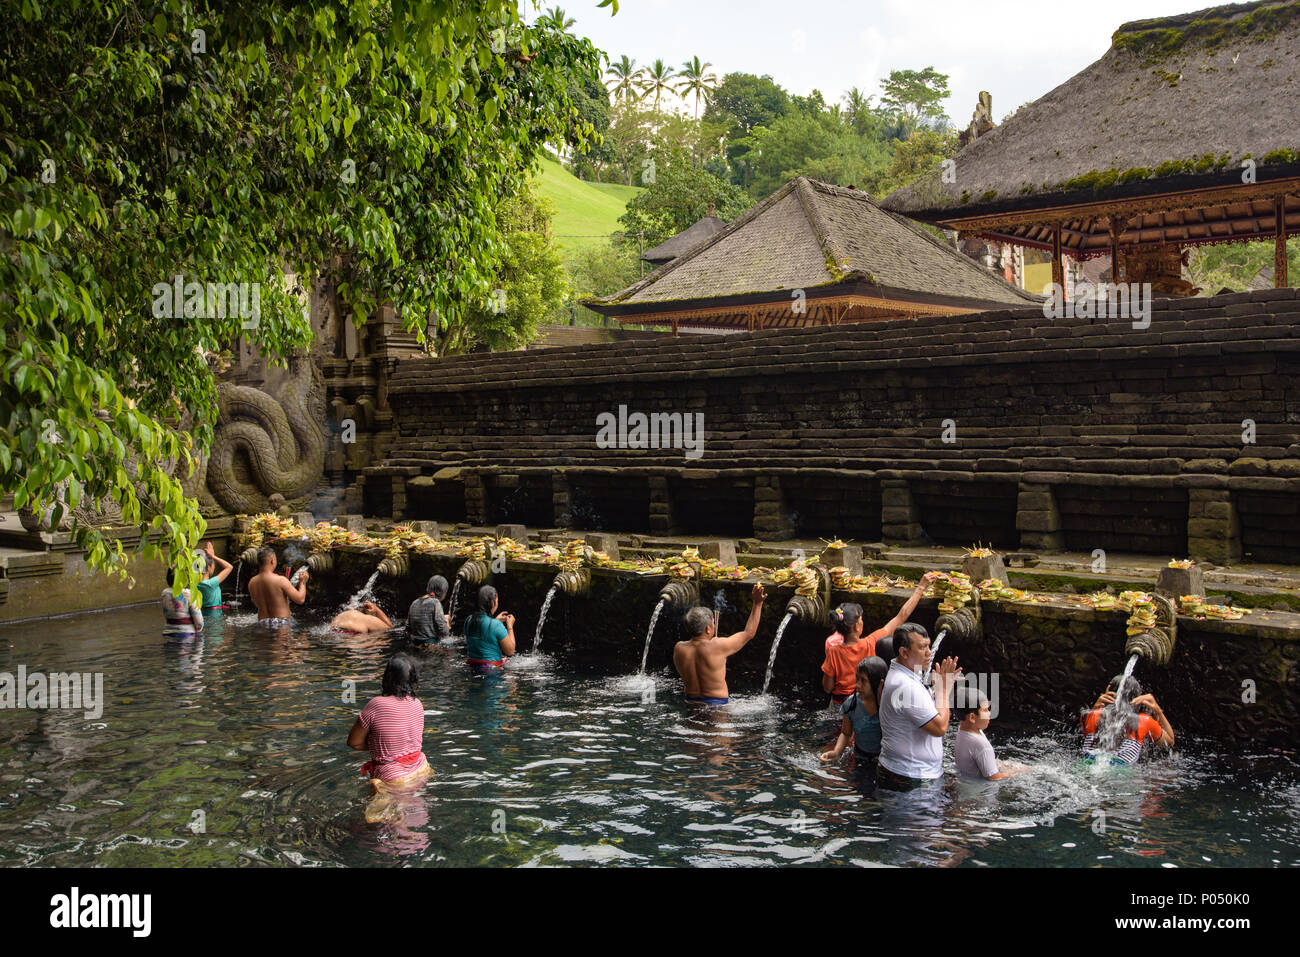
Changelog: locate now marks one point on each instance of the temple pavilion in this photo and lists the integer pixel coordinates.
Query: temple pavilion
(686, 240)
(1185, 133)
(811, 254)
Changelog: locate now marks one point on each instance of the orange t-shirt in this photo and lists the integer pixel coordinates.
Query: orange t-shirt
(1146, 727)
(842, 660)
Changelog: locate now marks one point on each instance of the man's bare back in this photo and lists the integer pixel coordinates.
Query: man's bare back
(271, 593)
(369, 617)
(702, 659)
(702, 663)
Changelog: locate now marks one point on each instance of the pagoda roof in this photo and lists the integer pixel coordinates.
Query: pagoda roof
(674, 246)
(830, 242)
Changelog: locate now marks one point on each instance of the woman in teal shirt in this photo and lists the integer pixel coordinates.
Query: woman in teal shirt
(489, 637)
(210, 586)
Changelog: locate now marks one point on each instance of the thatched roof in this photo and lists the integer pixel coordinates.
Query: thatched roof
(1175, 105)
(819, 238)
(674, 246)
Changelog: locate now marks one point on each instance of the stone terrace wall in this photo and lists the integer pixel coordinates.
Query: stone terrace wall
(1071, 433)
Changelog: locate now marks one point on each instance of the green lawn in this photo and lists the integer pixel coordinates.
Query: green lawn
(585, 213)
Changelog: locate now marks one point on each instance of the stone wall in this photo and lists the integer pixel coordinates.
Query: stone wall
(1001, 427)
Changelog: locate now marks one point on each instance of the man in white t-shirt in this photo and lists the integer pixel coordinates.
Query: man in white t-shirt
(912, 720)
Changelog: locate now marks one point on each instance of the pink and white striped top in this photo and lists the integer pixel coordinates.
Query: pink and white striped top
(395, 729)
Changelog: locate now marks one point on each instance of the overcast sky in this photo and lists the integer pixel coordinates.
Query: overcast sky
(1015, 49)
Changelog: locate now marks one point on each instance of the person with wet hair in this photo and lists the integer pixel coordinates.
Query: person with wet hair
(425, 620)
(489, 634)
(271, 593)
(1121, 731)
(860, 722)
(391, 728)
(701, 659)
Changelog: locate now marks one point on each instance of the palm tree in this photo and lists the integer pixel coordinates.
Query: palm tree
(559, 19)
(627, 77)
(696, 80)
(658, 78)
(856, 106)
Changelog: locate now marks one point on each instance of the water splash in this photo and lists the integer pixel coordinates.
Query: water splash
(541, 618)
(1114, 722)
(649, 632)
(776, 643)
(934, 656)
(938, 640)
(366, 593)
(451, 605)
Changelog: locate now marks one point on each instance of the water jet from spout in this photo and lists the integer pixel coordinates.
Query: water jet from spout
(541, 619)
(776, 643)
(649, 633)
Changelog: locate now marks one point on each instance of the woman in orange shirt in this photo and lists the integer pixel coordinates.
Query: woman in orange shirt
(846, 646)
(839, 670)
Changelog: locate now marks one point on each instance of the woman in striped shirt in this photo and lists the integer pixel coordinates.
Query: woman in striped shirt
(1122, 730)
(184, 618)
(391, 728)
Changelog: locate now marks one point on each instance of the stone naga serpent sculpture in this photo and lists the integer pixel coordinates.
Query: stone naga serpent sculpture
(282, 444)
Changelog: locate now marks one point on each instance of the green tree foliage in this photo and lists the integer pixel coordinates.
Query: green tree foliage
(913, 158)
(744, 102)
(677, 197)
(817, 145)
(367, 144)
(590, 99)
(915, 97)
(530, 283)
(1237, 265)
(628, 139)
(624, 78)
(696, 80)
(656, 80)
(597, 270)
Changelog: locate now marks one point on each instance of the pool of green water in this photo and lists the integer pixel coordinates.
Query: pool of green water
(229, 750)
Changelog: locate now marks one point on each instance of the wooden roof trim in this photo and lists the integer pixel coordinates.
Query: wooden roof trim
(1158, 203)
(735, 315)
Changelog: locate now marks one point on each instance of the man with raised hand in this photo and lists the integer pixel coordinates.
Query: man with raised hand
(701, 660)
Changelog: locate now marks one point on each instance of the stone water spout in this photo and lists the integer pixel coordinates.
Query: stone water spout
(964, 623)
(249, 555)
(813, 609)
(573, 582)
(475, 571)
(394, 567)
(681, 593)
(1156, 645)
(320, 562)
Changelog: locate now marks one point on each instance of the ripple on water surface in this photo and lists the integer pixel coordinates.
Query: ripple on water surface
(230, 749)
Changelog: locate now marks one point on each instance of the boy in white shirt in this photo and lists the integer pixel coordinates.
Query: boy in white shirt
(974, 753)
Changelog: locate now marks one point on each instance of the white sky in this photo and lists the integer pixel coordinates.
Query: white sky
(1016, 49)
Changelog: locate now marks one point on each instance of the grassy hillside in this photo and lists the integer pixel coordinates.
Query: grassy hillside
(585, 213)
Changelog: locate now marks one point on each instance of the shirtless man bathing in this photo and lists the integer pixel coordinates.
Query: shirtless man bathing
(701, 660)
(362, 621)
(271, 593)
